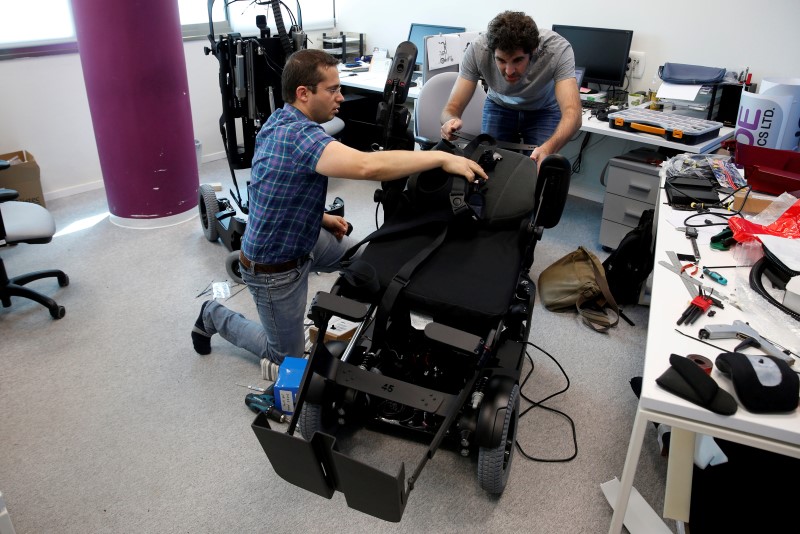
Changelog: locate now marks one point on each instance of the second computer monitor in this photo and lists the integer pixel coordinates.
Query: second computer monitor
(417, 33)
(602, 52)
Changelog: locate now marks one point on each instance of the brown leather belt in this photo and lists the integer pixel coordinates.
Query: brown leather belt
(266, 268)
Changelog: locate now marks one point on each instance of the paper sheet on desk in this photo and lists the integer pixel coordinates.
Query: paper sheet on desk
(675, 91)
(447, 49)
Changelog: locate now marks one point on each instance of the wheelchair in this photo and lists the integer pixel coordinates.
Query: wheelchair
(443, 300)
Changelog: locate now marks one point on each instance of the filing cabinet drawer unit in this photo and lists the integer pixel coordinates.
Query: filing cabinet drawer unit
(631, 188)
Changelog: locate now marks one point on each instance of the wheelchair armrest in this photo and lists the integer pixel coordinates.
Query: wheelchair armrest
(552, 188)
(8, 194)
(425, 143)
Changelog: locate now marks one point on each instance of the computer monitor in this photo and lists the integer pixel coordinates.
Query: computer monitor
(602, 52)
(417, 33)
(579, 72)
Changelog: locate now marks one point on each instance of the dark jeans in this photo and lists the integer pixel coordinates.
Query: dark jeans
(533, 127)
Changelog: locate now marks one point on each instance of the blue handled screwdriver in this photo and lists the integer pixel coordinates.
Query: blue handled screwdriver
(714, 275)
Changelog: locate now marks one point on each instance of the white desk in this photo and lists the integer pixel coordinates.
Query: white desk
(371, 81)
(375, 82)
(775, 433)
(592, 125)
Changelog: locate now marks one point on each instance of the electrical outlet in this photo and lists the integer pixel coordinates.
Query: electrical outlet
(637, 64)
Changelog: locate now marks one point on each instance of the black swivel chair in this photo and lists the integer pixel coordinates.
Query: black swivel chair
(25, 222)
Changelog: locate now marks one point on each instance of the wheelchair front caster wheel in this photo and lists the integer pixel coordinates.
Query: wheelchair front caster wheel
(233, 267)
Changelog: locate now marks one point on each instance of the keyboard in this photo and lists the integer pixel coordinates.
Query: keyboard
(593, 104)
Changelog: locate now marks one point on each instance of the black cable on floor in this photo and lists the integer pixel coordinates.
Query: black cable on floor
(538, 404)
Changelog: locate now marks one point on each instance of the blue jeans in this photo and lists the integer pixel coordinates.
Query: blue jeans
(510, 125)
(281, 301)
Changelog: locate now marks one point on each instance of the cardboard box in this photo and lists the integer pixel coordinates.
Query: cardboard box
(756, 202)
(338, 330)
(288, 383)
(23, 177)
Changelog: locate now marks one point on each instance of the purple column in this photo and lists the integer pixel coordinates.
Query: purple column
(135, 74)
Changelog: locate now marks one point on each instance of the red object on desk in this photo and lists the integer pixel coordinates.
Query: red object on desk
(768, 170)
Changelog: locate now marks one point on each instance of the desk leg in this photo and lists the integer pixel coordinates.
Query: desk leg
(678, 495)
(628, 473)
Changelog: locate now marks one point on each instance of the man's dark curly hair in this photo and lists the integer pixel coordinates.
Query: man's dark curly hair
(511, 30)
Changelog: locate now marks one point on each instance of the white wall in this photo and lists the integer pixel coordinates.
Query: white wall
(721, 33)
(44, 108)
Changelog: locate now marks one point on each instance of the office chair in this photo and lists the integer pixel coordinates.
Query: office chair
(333, 127)
(25, 222)
(433, 96)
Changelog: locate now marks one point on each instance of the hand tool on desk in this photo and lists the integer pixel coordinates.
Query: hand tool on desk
(691, 234)
(748, 335)
(718, 278)
(699, 305)
(688, 282)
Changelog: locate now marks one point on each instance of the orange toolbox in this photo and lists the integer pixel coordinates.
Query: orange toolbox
(676, 128)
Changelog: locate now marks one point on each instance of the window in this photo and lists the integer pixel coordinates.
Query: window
(46, 27)
(310, 14)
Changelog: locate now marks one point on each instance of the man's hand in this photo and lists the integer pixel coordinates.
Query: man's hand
(538, 154)
(335, 225)
(464, 167)
(450, 127)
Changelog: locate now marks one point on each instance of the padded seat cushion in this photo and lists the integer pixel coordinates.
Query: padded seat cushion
(470, 277)
(26, 222)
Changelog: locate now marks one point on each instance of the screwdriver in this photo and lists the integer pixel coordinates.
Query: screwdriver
(258, 403)
(254, 388)
(715, 276)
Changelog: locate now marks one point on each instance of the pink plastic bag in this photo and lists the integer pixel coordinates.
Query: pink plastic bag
(787, 225)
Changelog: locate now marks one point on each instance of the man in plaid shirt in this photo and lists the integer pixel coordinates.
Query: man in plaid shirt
(283, 240)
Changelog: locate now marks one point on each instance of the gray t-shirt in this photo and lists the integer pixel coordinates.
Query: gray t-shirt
(553, 61)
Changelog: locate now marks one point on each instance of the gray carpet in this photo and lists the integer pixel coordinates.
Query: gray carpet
(110, 422)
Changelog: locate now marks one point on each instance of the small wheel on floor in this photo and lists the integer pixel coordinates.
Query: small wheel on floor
(494, 464)
(209, 207)
(233, 267)
(58, 312)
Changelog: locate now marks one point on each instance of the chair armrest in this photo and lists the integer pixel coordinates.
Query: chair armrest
(425, 143)
(8, 194)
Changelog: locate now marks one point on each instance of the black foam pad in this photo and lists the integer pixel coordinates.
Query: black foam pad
(688, 381)
(763, 383)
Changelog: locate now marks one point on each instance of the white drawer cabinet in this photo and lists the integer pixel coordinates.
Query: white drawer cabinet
(631, 188)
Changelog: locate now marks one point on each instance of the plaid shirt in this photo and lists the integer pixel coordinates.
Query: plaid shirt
(287, 196)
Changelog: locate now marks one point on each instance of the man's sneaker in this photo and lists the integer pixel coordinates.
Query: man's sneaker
(269, 369)
(200, 338)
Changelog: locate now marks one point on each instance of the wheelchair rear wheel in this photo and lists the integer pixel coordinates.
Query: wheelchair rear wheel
(494, 464)
(209, 207)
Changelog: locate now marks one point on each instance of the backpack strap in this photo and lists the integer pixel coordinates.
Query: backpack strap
(495, 143)
(398, 284)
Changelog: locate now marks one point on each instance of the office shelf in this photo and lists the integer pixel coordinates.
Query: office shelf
(346, 46)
